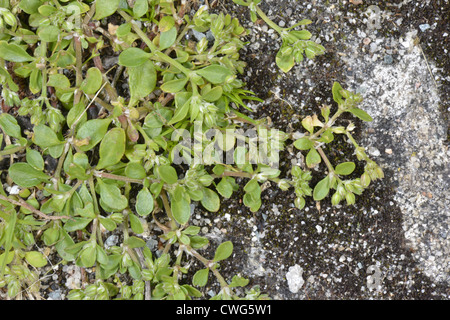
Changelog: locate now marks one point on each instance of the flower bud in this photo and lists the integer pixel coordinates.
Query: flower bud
(379, 172)
(202, 45)
(360, 153)
(228, 48)
(350, 198)
(365, 180)
(296, 171)
(284, 184)
(206, 180)
(300, 202)
(335, 199)
(76, 294)
(90, 290)
(126, 260)
(339, 130)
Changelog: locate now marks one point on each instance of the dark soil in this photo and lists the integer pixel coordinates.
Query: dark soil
(369, 232)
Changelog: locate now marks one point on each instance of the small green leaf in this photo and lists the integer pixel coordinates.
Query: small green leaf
(94, 130)
(144, 202)
(112, 197)
(65, 242)
(345, 168)
(224, 188)
(166, 23)
(223, 251)
(285, 62)
(9, 125)
(133, 57)
(192, 230)
(168, 174)
(327, 136)
(140, 8)
(25, 175)
(77, 113)
(142, 80)
(238, 281)
(36, 259)
(321, 189)
(135, 170)
(174, 86)
(337, 96)
(216, 74)
(102, 257)
(361, 114)
(14, 53)
(181, 209)
(93, 81)
(108, 223)
(30, 6)
(49, 33)
(34, 159)
(58, 81)
(105, 8)
(136, 224)
(88, 255)
(303, 143)
(76, 223)
(180, 112)
(135, 242)
(213, 95)
(200, 278)
(198, 242)
(302, 34)
(252, 186)
(312, 158)
(211, 200)
(308, 124)
(112, 148)
(167, 38)
(51, 236)
(46, 10)
(45, 137)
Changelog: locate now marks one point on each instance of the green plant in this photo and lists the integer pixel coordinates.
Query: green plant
(155, 146)
(295, 43)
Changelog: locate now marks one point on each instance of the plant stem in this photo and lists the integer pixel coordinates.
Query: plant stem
(111, 176)
(27, 206)
(78, 67)
(173, 224)
(267, 20)
(57, 175)
(327, 125)
(10, 151)
(236, 174)
(327, 162)
(94, 195)
(207, 264)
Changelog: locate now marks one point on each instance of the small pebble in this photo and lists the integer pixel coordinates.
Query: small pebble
(388, 59)
(424, 27)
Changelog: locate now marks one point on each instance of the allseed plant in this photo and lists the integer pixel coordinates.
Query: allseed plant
(113, 147)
